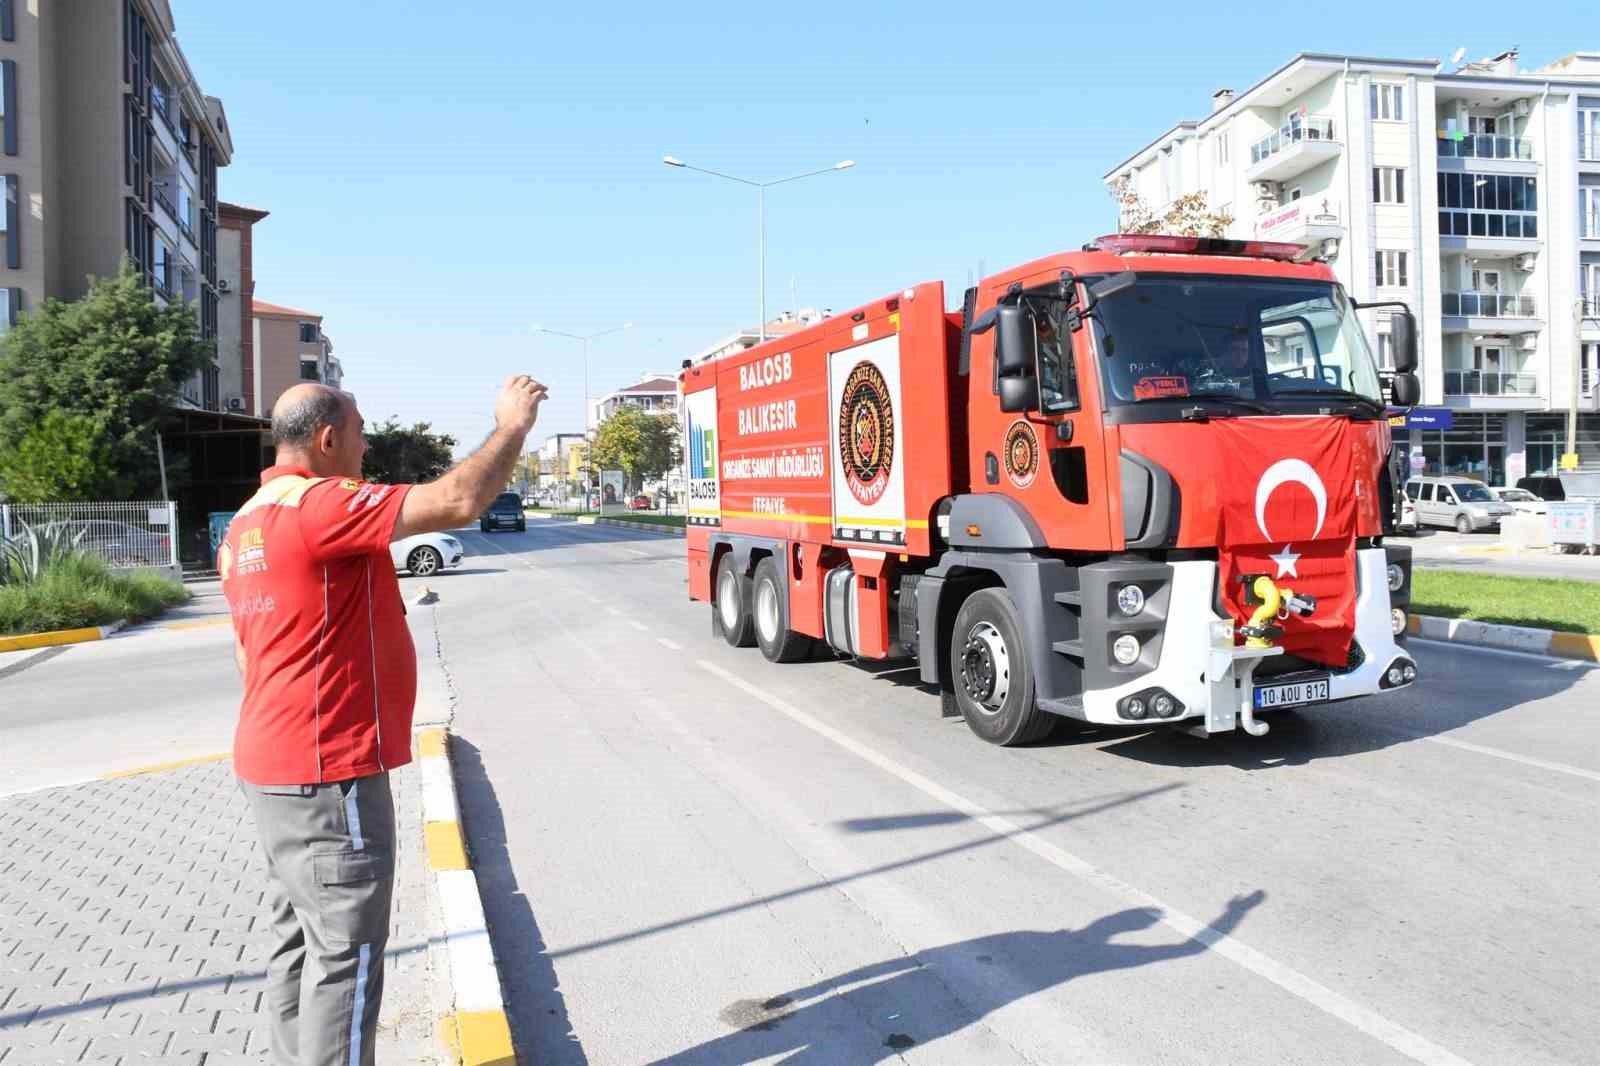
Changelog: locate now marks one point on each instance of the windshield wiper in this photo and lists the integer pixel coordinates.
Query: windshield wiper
(1200, 414)
(1341, 394)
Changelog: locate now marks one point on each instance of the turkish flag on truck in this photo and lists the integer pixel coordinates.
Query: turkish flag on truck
(1289, 509)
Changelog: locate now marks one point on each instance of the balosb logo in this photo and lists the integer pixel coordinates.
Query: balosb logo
(1022, 454)
(866, 433)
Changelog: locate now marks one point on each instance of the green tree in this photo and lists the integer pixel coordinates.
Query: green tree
(1189, 215)
(642, 446)
(113, 358)
(60, 458)
(401, 455)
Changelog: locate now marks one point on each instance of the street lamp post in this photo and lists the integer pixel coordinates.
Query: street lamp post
(584, 339)
(761, 188)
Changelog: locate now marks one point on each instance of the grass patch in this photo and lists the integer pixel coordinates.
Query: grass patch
(1545, 603)
(80, 590)
(675, 520)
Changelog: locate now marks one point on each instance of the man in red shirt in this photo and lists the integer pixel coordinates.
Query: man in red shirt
(330, 679)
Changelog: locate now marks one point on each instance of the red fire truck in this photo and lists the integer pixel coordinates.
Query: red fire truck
(1145, 482)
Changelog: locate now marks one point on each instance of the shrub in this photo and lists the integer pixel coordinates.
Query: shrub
(76, 590)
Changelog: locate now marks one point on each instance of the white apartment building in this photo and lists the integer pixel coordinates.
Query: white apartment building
(654, 394)
(1472, 195)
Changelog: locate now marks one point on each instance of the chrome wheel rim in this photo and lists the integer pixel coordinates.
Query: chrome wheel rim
(424, 562)
(767, 611)
(728, 599)
(986, 668)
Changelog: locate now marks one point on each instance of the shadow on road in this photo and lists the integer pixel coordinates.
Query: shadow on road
(537, 1009)
(904, 998)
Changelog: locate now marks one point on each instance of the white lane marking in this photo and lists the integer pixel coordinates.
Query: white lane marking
(672, 644)
(1548, 660)
(1511, 756)
(614, 610)
(640, 626)
(1368, 1021)
(636, 551)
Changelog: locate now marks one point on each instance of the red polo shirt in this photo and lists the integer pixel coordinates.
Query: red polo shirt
(330, 672)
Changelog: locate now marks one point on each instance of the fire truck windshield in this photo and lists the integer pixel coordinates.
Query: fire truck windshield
(1272, 345)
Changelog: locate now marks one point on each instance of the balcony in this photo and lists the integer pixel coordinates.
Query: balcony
(1294, 148)
(1589, 148)
(1485, 146)
(1474, 311)
(1305, 221)
(1490, 383)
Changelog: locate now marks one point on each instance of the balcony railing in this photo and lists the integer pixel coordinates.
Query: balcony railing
(1517, 225)
(164, 198)
(1489, 305)
(1485, 146)
(1589, 148)
(1290, 134)
(1591, 305)
(1489, 383)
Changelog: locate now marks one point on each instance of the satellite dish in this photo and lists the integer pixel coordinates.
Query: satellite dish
(1458, 55)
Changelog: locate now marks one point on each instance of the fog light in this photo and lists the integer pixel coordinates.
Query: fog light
(1396, 675)
(1397, 621)
(1397, 577)
(1130, 600)
(1125, 649)
(1162, 705)
(1410, 672)
(1134, 707)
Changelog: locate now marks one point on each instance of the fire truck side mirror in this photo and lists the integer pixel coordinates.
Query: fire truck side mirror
(1403, 336)
(1405, 390)
(1016, 341)
(1019, 394)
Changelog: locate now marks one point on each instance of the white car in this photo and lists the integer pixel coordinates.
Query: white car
(425, 554)
(1407, 525)
(1524, 501)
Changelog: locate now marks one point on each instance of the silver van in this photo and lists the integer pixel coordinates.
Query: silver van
(1456, 502)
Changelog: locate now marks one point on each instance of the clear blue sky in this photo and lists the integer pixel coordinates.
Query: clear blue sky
(441, 176)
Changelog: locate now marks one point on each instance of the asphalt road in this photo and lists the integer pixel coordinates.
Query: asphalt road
(690, 855)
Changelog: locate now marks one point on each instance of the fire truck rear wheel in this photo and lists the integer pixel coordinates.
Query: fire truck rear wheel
(991, 671)
(733, 604)
(770, 613)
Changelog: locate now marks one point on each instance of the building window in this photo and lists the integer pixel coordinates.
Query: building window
(1488, 205)
(1385, 352)
(1388, 101)
(8, 21)
(308, 370)
(10, 307)
(1589, 134)
(8, 105)
(13, 232)
(308, 333)
(1589, 210)
(1391, 271)
(1222, 149)
(1388, 185)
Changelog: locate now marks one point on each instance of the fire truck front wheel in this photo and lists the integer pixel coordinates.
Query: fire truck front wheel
(992, 675)
(733, 604)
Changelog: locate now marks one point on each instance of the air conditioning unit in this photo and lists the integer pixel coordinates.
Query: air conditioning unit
(223, 286)
(1527, 261)
(1520, 109)
(1528, 342)
(236, 403)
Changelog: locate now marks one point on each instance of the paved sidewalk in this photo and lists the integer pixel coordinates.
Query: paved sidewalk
(132, 927)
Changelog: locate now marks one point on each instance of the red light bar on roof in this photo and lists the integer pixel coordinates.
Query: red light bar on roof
(1135, 243)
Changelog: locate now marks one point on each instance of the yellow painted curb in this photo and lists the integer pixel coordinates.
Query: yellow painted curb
(176, 764)
(446, 849)
(1576, 645)
(450, 1038)
(50, 639)
(430, 743)
(483, 1038)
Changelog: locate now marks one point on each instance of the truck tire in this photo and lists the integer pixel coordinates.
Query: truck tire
(769, 610)
(733, 604)
(993, 677)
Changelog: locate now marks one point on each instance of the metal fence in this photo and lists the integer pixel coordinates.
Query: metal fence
(124, 534)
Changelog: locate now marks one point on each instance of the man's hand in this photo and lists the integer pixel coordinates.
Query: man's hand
(517, 409)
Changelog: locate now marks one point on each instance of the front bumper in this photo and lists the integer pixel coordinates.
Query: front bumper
(1211, 680)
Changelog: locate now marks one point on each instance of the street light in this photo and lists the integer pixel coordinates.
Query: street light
(584, 339)
(761, 188)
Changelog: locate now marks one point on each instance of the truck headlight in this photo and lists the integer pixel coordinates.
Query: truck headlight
(1130, 600)
(1397, 621)
(1125, 649)
(1397, 577)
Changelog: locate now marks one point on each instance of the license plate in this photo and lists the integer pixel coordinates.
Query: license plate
(1295, 694)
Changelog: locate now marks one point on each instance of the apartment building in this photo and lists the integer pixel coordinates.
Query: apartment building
(1472, 194)
(742, 339)
(236, 289)
(654, 394)
(109, 149)
(289, 347)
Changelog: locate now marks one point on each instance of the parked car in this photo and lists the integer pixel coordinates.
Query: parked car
(1406, 525)
(118, 543)
(425, 554)
(504, 513)
(1545, 486)
(1523, 501)
(1459, 502)
(639, 503)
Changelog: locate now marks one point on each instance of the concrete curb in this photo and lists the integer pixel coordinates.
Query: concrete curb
(647, 527)
(60, 636)
(1535, 641)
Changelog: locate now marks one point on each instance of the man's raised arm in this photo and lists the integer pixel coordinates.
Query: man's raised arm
(461, 494)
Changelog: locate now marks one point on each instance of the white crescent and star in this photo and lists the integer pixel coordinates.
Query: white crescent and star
(1283, 472)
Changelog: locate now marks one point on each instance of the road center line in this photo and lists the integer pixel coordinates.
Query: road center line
(1511, 756)
(1368, 1021)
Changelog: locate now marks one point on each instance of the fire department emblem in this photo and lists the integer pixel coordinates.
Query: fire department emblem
(866, 433)
(1022, 454)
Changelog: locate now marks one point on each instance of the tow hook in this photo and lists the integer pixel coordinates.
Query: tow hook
(1247, 719)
